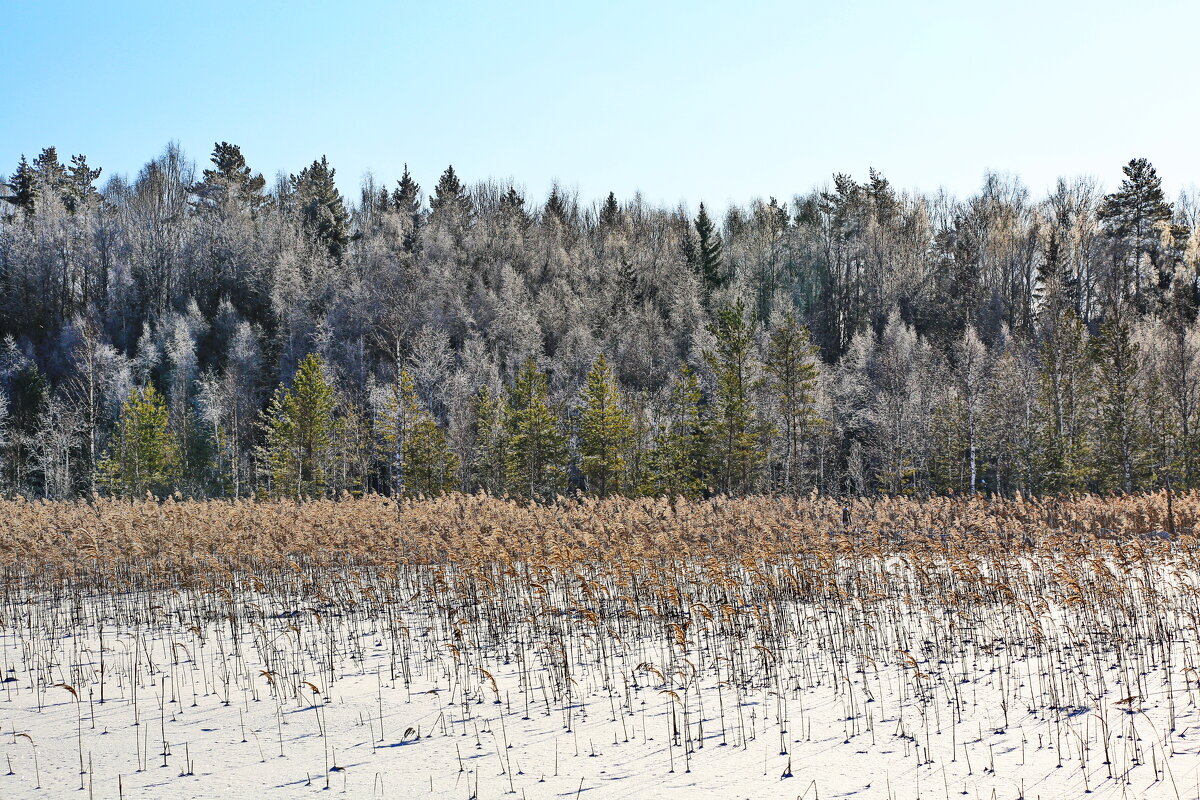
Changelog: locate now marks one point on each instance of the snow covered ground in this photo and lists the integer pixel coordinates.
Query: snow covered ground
(251, 693)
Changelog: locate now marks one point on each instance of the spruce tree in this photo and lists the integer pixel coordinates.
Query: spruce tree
(320, 207)
(1066, 389)
(24, 184)
(450, 197)
(791, 378)
(406, 199)
(536, 452)
(29, 391)
(413, 444)
(489, 461)
(512, 209)
(73, 185)
(144, 456)
(556, 209)
(677, 464)
(737, 431)
(299, 427)
(708, 254)
(1120, 450)
(604, 431)
(431, 465)
(610, 213)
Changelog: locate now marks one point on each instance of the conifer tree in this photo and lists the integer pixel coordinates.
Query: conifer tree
(1065, 378)
(556, 209)
(450, 196)
(791, 370)
(24, 184)
(143, 456)
(737, 431)
(490, 453)
(1120, 450)
(231, 180)
(320, 206)
(299, 426)
(29, 391)
(677, 464)
(604, 431)
(414, 446)
(610, 213)
(512, 210)
(352, 448)
(195, 450)
(1130, 217)
(406, 199)
(708, 254)
(536, 445)
(51, 173)
(80, 186)
(48, 174)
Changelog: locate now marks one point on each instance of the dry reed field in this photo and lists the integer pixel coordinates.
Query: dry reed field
(472, 647)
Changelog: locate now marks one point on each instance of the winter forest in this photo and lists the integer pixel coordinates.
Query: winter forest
(199, 331)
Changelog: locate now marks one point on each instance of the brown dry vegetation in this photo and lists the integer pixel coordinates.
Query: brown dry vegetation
(1053, 605)
(194, 542)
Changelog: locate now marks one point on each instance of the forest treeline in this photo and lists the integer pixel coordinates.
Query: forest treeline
(204, 332)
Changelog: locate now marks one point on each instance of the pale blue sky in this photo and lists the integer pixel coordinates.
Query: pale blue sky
(685, 101)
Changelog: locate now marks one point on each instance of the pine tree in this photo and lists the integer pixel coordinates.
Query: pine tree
(144, 456)
(80, 185)
(678, 461)
(1131, 217)
(604, 431)
(536, 445)
(231, 181)
(791, 369)
(299, 426)
(320, 206)
(737, 431)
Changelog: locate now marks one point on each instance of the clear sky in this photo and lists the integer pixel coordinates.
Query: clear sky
(684, 101)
